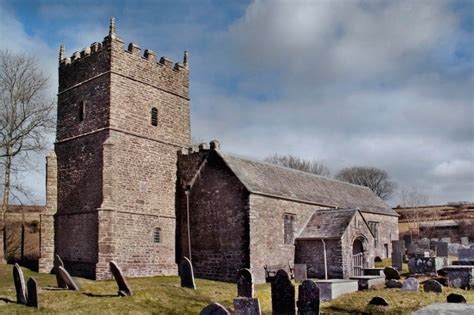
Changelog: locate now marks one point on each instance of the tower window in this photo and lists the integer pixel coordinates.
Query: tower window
(288, 228)
(82, 111)
(154, 116)
(157, 235)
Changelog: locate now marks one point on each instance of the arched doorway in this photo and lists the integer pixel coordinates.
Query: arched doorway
(358, 259)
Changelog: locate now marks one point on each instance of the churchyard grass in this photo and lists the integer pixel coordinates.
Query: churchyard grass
(163, 295)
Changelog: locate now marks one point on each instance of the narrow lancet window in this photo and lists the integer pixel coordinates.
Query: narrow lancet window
(154, 116)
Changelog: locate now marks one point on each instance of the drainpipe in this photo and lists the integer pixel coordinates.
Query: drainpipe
(187, 224)
(325, 260)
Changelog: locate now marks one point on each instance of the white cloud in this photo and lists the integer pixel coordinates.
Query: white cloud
(455, 168)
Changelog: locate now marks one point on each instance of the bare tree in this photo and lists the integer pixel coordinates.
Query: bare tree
(412, 197)
(26, 115)
(375, 179)
(295, 162)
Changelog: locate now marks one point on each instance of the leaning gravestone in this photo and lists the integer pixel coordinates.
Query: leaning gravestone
(186, 273)
(411, 284)
(455, 298)
(391, 273)
(21, 297)
(283, 294)
(246, 306)
(32, 286)
(432, 286)
(244, 283)
(300, 272)
(123, 287)
(66, 277)
(214, 309)
(308, 298)
(59, 262)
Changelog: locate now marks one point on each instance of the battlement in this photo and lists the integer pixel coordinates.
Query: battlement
(110, 55)
(202, 147)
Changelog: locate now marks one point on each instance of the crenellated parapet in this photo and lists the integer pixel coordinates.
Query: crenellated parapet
(111, 56)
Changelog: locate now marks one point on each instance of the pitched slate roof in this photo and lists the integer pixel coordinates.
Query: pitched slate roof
(272, 180)
(327, 223)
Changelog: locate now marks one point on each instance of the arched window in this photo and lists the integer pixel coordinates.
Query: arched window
(154, 116)
(157, 235)
(82, 111)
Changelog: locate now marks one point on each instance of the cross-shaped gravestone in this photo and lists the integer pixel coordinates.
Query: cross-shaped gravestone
(186, 273)
(66, 277)
(19, 284)
(244, 283)
(123, 287)
(283, 294)
(32, 299)
(308, 298)
(59, 262)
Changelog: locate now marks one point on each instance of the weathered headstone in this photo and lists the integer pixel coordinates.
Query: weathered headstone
(411, 284)
(466, 254)
(123, 287)
(392, 284)
(455, 298)
(422, 265)
(59, 262)
(66, 277)
(245, 283)
(187, 274)
(465, 240)
(442, 249)
(301, 272)
(246, 306)
(378, 301)
(32, 299)
(214, 309)
(308, 298)
(283, 294)
(19, 279)
(391, 273)
(432, 286)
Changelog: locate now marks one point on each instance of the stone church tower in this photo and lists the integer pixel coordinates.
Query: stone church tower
(122, 117)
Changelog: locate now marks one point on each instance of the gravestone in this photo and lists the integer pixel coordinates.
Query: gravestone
(455, 298)
(464, 240)
(301, 273)
(308, 298)
(186, 274)
(21, 297)
(246, 306)
(466, 254)
(442, 249)
(446, 239)
(59, 262)
(66, 277)
(432, 286)
(32, 286)
(391, 273)
(408, 239)
(214, 309)
(283, 294)
(392, 284)
(245, 283)
(123, 287)
(411, 284)
(422, 265)
(378, 301)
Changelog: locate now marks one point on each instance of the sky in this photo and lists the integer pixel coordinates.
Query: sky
(388, 84)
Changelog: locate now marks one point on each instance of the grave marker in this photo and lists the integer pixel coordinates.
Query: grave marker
(308, 298)
(283, 294)
(432, 286)
(66, 277)
(300, 272)
(59, 262)
(245, 286)
(21, 297)
(411, 284)
(186, 273)
(32, 299)
(214, 309)
(123, 287)
(246, 306)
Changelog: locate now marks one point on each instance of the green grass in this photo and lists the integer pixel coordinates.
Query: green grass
(163, 295)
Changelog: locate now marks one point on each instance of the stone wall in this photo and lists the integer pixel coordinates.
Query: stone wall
(311, 253)
(218, 207)
(387, 232)
(267, 245)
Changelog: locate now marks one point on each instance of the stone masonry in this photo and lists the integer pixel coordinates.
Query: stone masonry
(116, 169)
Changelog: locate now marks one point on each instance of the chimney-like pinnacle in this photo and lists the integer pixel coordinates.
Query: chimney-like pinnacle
(61, 52)
(185, 59)
(112, 30)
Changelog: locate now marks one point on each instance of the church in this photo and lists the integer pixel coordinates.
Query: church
(125, 184)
